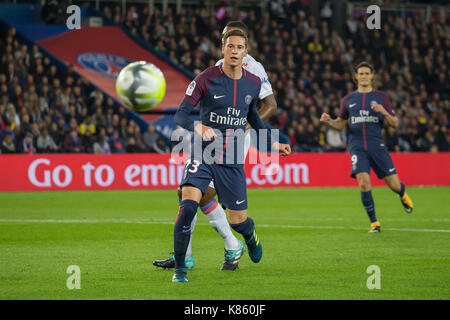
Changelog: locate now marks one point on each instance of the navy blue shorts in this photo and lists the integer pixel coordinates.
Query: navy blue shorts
(378, 159)
(229, 182)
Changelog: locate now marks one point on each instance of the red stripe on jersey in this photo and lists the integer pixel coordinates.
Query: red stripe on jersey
(225, 145)
(364, 124)
(235, 89)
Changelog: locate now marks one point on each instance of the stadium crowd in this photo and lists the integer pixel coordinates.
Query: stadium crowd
(43, 110)
(308, 64)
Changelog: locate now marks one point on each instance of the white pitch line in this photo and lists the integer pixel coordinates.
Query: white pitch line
(384, 219)
(132, 221)
(351, 228)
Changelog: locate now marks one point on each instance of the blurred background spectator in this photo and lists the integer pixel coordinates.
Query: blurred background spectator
(101, 146)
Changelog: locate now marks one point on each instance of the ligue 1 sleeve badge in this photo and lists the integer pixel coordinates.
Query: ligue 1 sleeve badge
(190, 88)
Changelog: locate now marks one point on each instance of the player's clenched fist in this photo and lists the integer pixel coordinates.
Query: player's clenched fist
(283, 149)
(379, 108)
(207, 133)
(325, 117)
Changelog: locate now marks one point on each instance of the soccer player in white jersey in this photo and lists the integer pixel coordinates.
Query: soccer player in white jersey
(208, 204)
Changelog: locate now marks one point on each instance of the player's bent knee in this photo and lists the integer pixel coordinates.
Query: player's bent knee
(179, 193)
(363, 181)
(393, 182)
(191, 193)
(365, 187)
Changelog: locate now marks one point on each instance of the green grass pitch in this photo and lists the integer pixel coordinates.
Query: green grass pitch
(315, 242)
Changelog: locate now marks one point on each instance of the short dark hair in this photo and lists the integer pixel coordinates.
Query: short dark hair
(238, 25)
(364, 64)
(234, 32)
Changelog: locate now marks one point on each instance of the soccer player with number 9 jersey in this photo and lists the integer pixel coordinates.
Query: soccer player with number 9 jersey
(366, 111)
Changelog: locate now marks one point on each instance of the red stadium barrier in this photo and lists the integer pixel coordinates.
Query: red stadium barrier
(159, 171)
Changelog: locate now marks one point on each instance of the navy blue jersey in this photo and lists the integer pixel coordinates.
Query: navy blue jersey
(225, 105)
(364, 123)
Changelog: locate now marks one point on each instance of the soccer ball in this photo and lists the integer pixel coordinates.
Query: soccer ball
(141, 85)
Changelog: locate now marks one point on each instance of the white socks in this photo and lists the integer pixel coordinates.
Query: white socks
(218, 220)
(189, 248)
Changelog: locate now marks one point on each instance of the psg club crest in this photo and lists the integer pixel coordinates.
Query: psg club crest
(107, 65)
(248, 99)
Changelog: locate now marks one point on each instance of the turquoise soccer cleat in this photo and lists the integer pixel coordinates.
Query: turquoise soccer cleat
(232, 257)
(180, 275)
(189, 261)
(254, 248)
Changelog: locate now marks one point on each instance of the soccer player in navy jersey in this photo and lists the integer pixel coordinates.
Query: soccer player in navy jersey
(208, 204)
(366, 111)
(227, 96)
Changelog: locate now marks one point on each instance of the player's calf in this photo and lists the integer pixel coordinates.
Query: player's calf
(369, 205)
(182, 231)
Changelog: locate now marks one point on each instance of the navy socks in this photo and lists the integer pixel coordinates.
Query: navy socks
(402, 190)
(369, 205)
(182, 231)
(245, 228)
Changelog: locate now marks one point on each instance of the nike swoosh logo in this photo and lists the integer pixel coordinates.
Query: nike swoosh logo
(352, 105)
(218, 97)
(239, 202)
(390, 170)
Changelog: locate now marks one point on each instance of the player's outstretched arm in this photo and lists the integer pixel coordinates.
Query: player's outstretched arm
(256, 122)
(337, 123)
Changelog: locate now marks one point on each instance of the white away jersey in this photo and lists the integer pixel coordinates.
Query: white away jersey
(251, 65)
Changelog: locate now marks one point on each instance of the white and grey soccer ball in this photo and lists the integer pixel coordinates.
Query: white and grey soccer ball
(141, 85)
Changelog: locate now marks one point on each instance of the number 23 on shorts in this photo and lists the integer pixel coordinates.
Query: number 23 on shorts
(193, 166)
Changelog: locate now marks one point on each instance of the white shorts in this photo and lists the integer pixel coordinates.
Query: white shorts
(247, 144)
